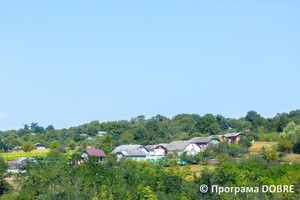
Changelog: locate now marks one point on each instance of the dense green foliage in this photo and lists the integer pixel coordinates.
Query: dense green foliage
(57, 178)
(157, 129)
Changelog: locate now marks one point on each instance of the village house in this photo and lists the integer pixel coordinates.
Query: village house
(156, 151)
(180, 146)
(137, 152)
(92, 152)
(39, 146)
(79, 160)
(234, 136)
(204, 141)
(19, 162)
(101, 133)
(17, 148)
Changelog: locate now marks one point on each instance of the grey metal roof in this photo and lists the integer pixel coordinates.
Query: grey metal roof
(21, 160)
(151, 147)
(17, 147)
(125, 148)
(132, 152)
(202, 139)
(233, 134)
(178, 145)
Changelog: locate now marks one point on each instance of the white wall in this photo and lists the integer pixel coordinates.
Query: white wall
(192, 149)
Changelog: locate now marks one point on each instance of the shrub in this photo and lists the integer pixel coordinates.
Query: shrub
(284, 145)
(29, 146)
(54, 145)
(272, 156)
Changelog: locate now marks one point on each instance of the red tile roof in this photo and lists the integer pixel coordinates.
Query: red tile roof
(95, 152)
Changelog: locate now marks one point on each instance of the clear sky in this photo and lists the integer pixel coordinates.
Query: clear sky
(67, 63)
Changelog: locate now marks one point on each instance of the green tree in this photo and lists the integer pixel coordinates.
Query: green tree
(16, 142)
(283, 121)
(215, 129)
(50, 127)
(29, 146)
(4, 186)
(244, 142)
(33, 125)
(204, 123)
(290, 130)
(284, 145)
(127, 137)
(54, 144)
(272, 155)
(222, 122)
(72, 145)
(251, 116)
(84, 144)
(140, 118)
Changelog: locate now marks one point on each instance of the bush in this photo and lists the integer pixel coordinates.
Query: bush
(72, 145)
(272, 156)
(29, 146)
(232, 150)
(252, 136)
(245, 143)
(54, 145)
(223, 158)
(284, 145)
(221, 147)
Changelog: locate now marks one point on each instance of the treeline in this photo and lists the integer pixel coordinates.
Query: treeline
(57, 178)
(144, 131)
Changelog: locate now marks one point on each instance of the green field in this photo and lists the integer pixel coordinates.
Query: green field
(12, 156)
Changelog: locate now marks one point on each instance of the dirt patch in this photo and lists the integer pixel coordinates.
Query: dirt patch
(10, 180)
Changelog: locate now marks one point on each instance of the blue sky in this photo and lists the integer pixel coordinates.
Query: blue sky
(67, 63)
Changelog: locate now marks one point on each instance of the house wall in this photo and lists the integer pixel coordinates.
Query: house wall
(160, 151)
(84, 154)
(119, 156)
(205, 145)
(192, 149)
(157, 153)
(235, 138)
(40, 147)
(138, 158)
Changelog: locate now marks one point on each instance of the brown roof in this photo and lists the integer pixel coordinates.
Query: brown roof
(95, 152)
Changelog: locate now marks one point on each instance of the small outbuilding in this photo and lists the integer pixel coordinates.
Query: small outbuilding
(204, 141)
(39, 146)
(93, 152)
(234, 136)
(17, 148)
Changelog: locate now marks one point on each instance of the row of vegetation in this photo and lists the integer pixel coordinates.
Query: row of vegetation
(157, 129)
(58, 178)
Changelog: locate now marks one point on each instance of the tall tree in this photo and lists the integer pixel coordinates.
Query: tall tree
(204, 123)
(251, 116)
